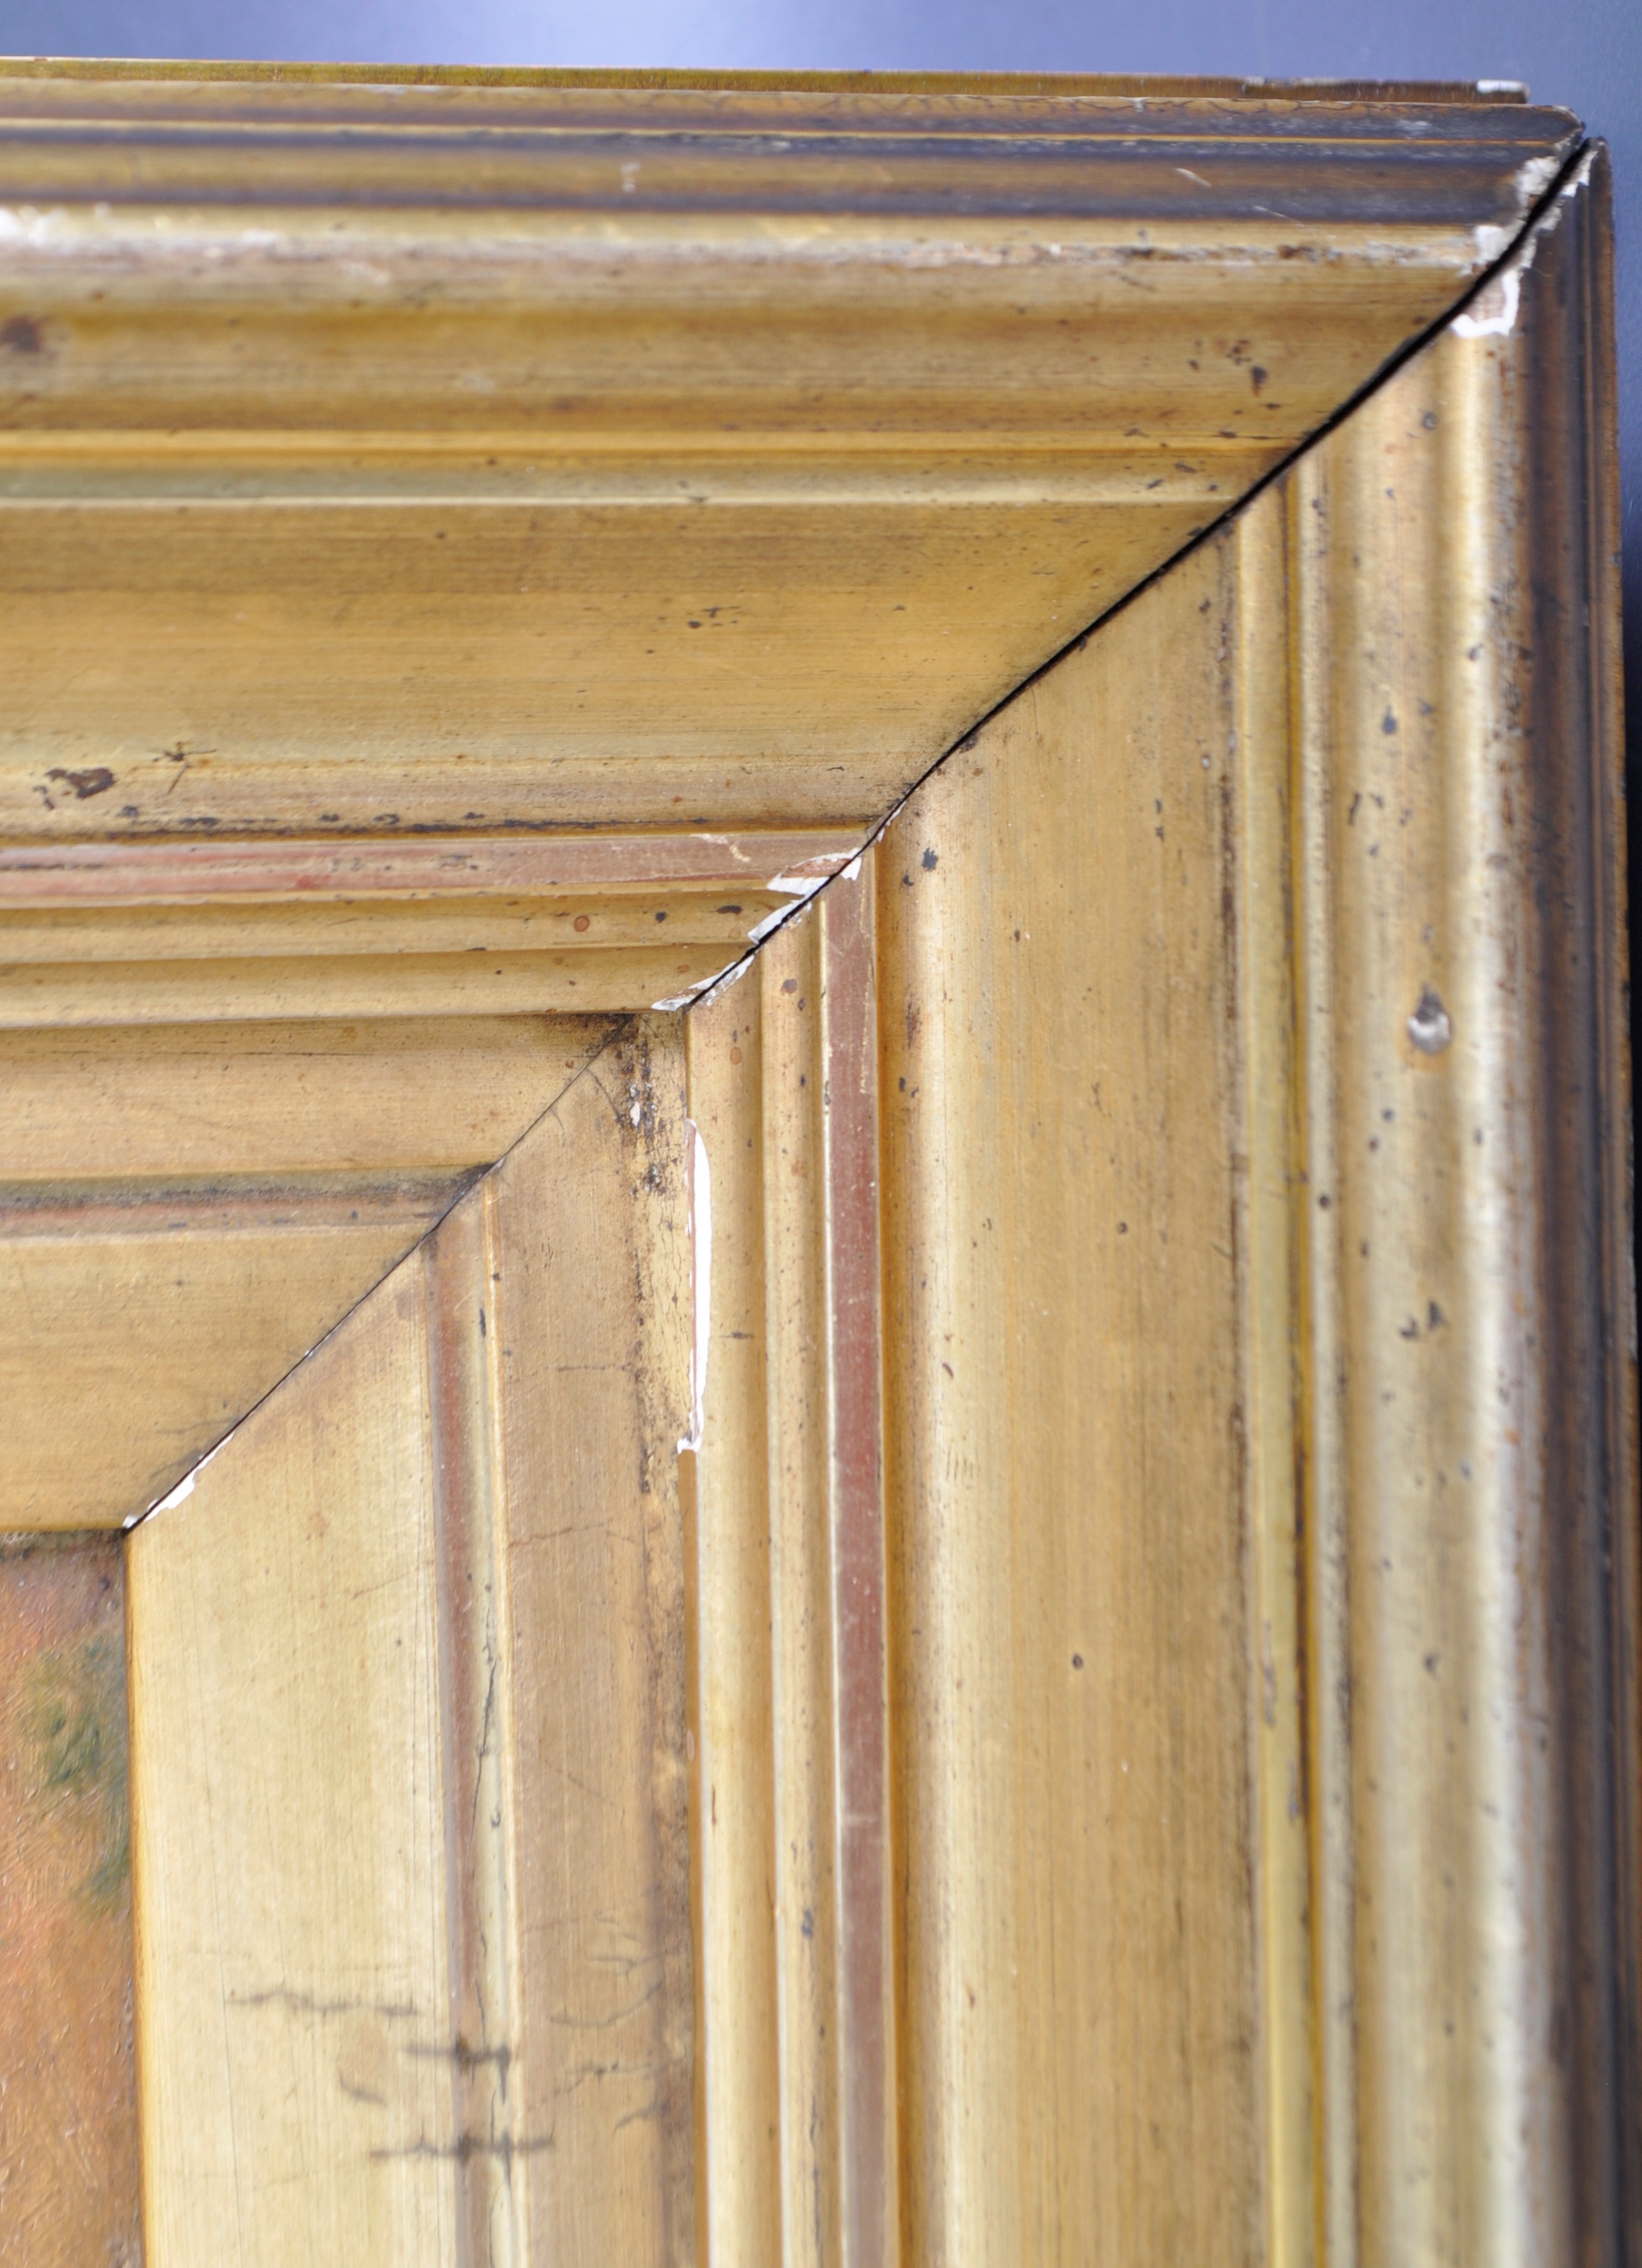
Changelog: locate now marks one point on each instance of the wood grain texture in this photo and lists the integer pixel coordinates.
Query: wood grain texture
(69, 2166)
(743, 446)
(185, 1213)
(790, 1649)
(412, 1899)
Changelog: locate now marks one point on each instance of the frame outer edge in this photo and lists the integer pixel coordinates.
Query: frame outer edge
(1608, 749)
(1469, 1491)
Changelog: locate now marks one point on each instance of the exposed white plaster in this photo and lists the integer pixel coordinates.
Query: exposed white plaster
(1533, 177)
(799, 884)
(1492, 238)
(179, 1495)
(798, 888)
(1494, 313)
(23, 224)
(715, 985)
(184, 1489)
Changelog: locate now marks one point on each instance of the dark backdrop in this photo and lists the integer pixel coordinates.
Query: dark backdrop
(1587, 54)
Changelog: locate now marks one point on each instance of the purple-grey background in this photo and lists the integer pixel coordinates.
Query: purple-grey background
(1586, 54)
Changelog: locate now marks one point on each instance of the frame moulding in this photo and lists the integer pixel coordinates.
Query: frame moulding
(1159, 1544)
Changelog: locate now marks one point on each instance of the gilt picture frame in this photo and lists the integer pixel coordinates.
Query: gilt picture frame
(816, 1113)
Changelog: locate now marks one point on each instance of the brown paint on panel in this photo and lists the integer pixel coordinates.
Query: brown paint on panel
(69, 2176)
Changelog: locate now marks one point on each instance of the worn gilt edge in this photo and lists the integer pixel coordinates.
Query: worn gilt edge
(275, 870)
(789, 1672)
(85, 101)
(262, 980)
(144, 874)
(444, 1200)
(1472, 302)
(1110, 86)
(1490, 315)
(282, 870)
(429, 925)
(847, 859)
(1312, 2110)
(1521, 1000)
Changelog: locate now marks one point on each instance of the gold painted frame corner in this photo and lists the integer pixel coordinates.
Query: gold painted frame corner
(1160, 1495)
